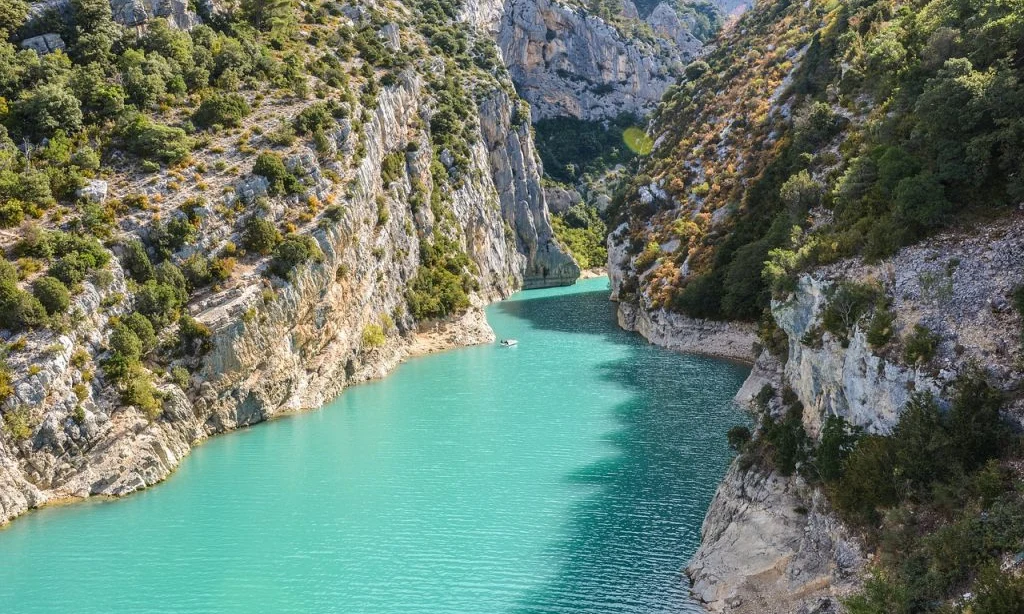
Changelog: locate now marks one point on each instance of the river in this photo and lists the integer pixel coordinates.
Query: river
(567, 474)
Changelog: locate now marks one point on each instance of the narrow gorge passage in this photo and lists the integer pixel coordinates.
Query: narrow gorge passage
(568, 474)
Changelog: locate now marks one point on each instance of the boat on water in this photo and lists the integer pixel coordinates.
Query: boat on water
(508, 342)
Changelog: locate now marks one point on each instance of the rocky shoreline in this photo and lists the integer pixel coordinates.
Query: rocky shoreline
(731, 340)
(469, 329)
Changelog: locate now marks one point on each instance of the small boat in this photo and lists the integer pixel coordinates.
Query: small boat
(508, 342)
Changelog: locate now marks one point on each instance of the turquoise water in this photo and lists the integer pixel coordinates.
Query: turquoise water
(567, 474)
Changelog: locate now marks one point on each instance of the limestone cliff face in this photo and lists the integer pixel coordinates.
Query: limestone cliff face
(566, 62)
(770, 545)
(282, 346)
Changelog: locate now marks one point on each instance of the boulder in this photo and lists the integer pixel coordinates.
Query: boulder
(44, 43)
(94, 191)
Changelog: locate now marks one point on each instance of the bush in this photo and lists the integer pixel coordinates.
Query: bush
(124, 342)
(140, 392)
(143, 329)
(976, 428)
(392, 168)
(646, 258)
(787, 439)
(260, 236)
(135, 259)
(880, 329)
(226, 110)
(18, 423)
(293, 251)
(921, 447)
(181, 377)
(41, 112)
(848, 301)
(373, 336)
(153, 141)
(867, 482)
(159, 302)
(52, 295)
(738, 437)
(314, 118)
(270, 166)
(195, 337)
(838, 440)
(919, 346)
(18, 309)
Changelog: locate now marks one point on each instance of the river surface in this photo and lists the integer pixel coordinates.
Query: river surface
(567, 474)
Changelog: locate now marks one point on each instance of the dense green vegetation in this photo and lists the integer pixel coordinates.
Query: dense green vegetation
(583, 233)
(921, 130)
(570, 148)
(442, 285)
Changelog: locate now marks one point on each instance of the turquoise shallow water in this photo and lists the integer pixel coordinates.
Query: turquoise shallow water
(567, 474)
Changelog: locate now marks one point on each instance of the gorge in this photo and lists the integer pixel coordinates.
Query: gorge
(217, 214)
(569, 473)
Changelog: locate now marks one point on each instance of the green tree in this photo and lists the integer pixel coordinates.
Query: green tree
(52, 294)
(224, 109)
(292, 251)
(41, 112)
(868, 480)
(921, 447)
(838, 440)
(270, 166)
(135, 259)
(143, 329)
(126, 343)
(977, 430)
(12, 15)
(260, 236)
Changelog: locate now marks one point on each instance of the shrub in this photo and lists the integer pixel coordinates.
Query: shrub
(867, 482)
(647, 257)
(998, 592)
(801, 193)
(738, 437)
(260, 236)
(921, 447)
(787, 439)
(52, 294)
(17, 420)
(140, 392)
(41, 112)
(373, 336)
(18, 309)
(392, 168)
(270, 166)
(124, 342)
(153, 141)
(837, 441)
(181, 377)
(195, 337)
(159, 302)
(143, 329)
(880, 329)
(919, 346)
(976, 428)
(226, 110)
(292, 251)
(314, 118)
(848, 301)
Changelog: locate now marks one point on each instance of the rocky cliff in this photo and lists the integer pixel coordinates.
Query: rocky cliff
(771, 543)
(280, 344)
(567, 61)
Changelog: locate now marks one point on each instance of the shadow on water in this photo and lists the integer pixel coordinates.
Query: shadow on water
(628, 542)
